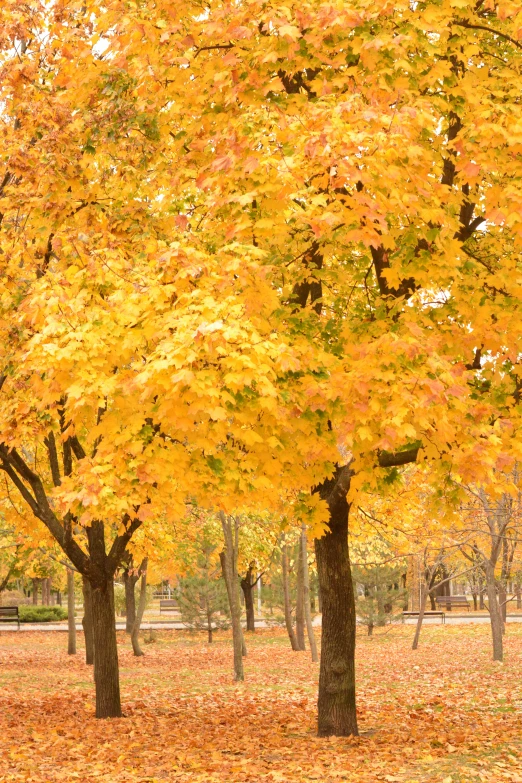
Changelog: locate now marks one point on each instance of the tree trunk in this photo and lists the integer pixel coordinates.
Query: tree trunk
(370, 629)
(481, 599)
(286, 596)
(422, 609)
(475, 602)
(502, 602)
(518, 595)
(306, 597)
(35, 592)
(494, 613)
(87, 621)
(336, 703)
(129, 580)
(71, 618)
(248, 593)
(432, 602)
(141, 608)
(106, 674)
(299, 601)
(209, 620)
(228, 558)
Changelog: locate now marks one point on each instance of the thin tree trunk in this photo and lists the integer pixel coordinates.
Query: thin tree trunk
(248, 593)
(87, 621)
(518, 595)
(475, 602)
(228, 558)
(71, 615)
(129, 580)
(141, 608)
(336, 703)
(286, 596)
(502, 602)
(299, 601)
(432, 602)
(209, 619)
(106, 673)
(422, 609)
(481, 599)
(306, 597)
(494, 614)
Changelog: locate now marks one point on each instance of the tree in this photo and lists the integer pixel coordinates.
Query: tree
(202, 596)
(269, 244)
(228, 557)
(379, 594)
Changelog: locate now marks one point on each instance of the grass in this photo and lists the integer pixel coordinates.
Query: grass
(443, 713)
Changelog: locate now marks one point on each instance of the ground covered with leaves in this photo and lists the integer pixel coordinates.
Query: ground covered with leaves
(443, 713)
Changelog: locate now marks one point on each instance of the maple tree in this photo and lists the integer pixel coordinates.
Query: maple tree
(253, 244)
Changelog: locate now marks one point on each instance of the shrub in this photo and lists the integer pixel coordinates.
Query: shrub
(41, 614)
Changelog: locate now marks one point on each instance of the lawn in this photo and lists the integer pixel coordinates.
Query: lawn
(444, 713)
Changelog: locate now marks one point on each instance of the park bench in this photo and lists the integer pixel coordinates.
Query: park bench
(9, 614)
(442, 615)
(449, 601)
(168, 605)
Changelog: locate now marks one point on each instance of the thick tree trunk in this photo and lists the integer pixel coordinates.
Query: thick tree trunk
(422, 609)
(494, 614)
(481, 599)
(71, 615)
(432, 602)
(129, 580)
(248, 593)
(306, 597)
(286, 598)
(299, 601)
(141, 609)
(106, 674)
(475, 605)
(336, 703)
(35, 591)
(87, 622)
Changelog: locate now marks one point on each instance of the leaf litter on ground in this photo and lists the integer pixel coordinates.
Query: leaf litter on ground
(444, 713)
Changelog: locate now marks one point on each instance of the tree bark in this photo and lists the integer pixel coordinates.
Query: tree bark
(129, 580)
(247, 587)
(228, 558)
(518, 595)
(71, 615)
(336, 703)
(502, 602)
(494, 613)
(306, 597)
(106, 674)
(422, 609)
(87, 621)
(35, 592)
(299, 601)
(286, 598)
(141, 609)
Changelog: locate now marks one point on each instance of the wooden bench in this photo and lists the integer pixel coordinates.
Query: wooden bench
(442, 615)
(168, 605)
(449, 601)
(9, 614)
